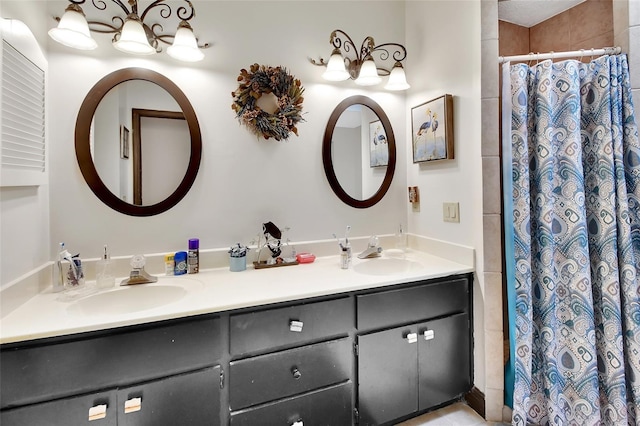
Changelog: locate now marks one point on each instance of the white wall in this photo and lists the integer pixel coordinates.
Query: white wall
(443, 40)
(243, 181)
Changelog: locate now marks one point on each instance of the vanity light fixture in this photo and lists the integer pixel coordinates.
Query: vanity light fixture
(131, 33)
(360, 65)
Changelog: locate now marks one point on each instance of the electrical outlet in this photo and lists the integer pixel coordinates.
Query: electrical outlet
(451, 212)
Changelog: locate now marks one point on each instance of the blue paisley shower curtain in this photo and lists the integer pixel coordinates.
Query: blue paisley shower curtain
(571, 163)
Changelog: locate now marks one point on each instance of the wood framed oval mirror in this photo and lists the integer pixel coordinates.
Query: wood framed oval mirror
(87, 144)
(359, 152)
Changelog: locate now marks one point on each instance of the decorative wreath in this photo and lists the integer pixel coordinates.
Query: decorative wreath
(260, 80)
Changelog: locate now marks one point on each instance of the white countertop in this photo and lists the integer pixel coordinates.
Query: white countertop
(217, 290)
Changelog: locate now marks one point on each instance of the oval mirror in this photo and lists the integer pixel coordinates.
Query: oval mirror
(359, 152)
(138, 142)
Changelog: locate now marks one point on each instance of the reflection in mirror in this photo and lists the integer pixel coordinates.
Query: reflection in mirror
(138, 142)
(133, 164)
(359, 152)
(159, 138)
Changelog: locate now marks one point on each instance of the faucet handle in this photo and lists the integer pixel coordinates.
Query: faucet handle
(138, 261)
(373, 241)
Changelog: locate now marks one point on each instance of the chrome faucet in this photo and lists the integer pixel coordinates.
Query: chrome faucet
(372, 250)
(138, 275)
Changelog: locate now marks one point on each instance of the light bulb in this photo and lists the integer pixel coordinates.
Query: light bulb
(133, 38)
(368, 73)
(336, 70)
(397, 78)
(185, 47)
(73, 30)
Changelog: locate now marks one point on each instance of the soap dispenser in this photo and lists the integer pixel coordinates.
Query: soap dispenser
(104, 271)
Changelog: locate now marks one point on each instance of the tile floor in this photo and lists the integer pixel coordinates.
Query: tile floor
(458, 414)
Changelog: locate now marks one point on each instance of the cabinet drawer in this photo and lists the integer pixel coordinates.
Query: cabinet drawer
(327, 407)
(67, 411)
(269, 377)
(191, 399)
(33, 373)
(272, 328)
(403, 306)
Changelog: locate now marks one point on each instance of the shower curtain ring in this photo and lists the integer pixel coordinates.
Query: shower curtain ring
(530, 58)
(581, 54)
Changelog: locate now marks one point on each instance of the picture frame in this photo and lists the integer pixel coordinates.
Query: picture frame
(124, 142)
(378, 146)
(432, 130)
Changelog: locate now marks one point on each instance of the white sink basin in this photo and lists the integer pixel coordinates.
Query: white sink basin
(135, 298)
(386, 266)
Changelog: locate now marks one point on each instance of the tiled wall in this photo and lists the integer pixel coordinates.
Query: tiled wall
(492, 218)
(585, 26)
(513, 39)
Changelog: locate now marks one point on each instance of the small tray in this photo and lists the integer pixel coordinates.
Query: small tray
(263, 264)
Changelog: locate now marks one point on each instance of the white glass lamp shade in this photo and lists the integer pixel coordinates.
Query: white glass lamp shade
(133, 38)
(336, 70)
(368, 73)
(185, 47)
(397, 78)
(73, 30)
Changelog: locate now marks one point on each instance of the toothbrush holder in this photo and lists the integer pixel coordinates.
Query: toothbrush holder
(237, 264)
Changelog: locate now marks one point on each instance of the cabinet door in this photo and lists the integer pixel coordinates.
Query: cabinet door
(387, 379)
(97, 409)
(444, 360)
(191, 399)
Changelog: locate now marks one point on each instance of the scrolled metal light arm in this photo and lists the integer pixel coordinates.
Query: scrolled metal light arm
(153, 31)
(341, 40)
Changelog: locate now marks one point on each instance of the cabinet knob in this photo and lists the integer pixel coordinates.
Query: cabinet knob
(296, 373)
(298, 423)
(132, 405)
(412, 337)
(429, 334)
(296, 326)
(98, 412)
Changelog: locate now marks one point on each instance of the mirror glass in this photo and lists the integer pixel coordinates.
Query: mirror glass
(359, 152)
(138, 142)
(134, 137)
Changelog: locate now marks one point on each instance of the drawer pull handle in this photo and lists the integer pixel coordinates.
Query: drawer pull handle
(98, 412)
(296, 373)
(429, 334)
(296, 326)
(412, 337)
(132, 405)
(298, 423)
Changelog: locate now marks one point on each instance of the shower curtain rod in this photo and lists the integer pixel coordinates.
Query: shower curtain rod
(561, 55)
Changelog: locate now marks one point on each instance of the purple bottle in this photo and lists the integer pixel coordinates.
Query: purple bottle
(193, 256)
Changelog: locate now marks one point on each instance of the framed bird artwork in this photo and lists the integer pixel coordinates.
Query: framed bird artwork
(378, 147)
(432, 130)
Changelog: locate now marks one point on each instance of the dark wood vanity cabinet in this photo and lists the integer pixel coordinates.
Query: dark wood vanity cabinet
(367, 357)
(140, 375)
(415, 366)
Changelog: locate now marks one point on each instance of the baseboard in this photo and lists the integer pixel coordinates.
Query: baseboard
(475, 400)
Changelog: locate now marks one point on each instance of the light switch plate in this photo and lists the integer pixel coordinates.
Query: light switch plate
(451, 212)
